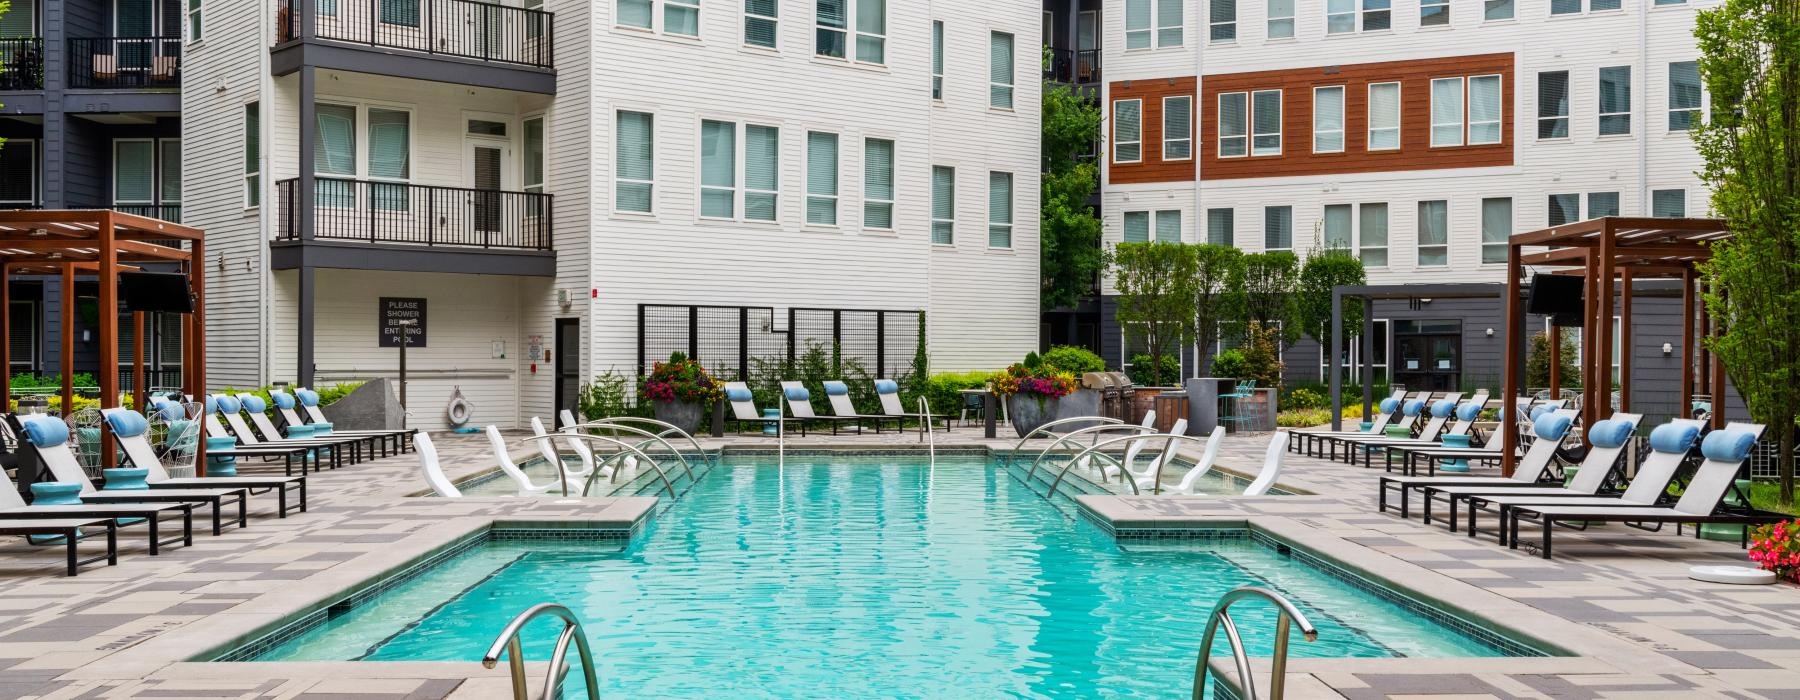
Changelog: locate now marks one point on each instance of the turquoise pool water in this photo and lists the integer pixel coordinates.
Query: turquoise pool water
(871, 577)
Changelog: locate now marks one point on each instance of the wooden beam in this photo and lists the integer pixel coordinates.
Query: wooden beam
(68, 338)
(1555, 338)
(1718, 374)
(137, 361)
(1625, 341)
(1688, 341)
(109, 334)
(195, 370)
(1605, 346)
(1568, 234)
(1590, 303)
(1513, 375)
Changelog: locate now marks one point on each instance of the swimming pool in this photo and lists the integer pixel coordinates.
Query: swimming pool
(870, 576)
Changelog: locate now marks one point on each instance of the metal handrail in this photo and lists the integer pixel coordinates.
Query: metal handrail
(1097, 447)
(930, 439)
(508, 641)
(1221, 615)
(668, 428)
(1096, 429)
(562, 471)
(1044, 428)
(637, 431)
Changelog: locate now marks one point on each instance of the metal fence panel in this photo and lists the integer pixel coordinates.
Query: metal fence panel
(727, 338)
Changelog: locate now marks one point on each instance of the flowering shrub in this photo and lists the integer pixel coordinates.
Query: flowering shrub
(1042, 382)
(1777, 548)
(680, 379)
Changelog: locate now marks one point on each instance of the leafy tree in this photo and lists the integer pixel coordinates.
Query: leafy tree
(1216, 268)
(1262, 355)
(918, 375)
(1324, 269)
(1537, 362)
(1750, 61)
(1155, 282)
(1265, 294)
(1070, 255)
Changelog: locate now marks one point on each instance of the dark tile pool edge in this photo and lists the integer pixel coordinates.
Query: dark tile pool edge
(1511, 645)
(499, 531)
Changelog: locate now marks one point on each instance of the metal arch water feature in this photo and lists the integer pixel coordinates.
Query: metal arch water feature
(1044, 429)
(563, 475)
(1221, 616)
(1099, 446)
(1096, 430)
(668, 428)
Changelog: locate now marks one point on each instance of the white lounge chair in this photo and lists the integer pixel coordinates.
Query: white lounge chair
(131, 430)
(1550, 429)
(799, 403)
(1190, 482)
(1608, 438)
(1271, 469)
(60, 460)
(888, 391)
(547, 448)
(13, 507)
(431, 469)
(519, 477)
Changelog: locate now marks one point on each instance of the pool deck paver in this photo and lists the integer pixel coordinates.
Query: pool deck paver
(123, 631)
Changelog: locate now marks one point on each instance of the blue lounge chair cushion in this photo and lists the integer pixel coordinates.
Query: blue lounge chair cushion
(170, 411)
(308, 397)
(1673, 438)
(1539, 412)
(797, 393)
(1550, 426)
(228, 404)
(1413, 407)
(127, 423)
(837, 389)
(737, 394)
(212, 404)
(1468, 411)
(1390, 405)
(1442, 408)
(254, 403)
(886, 386)
(44, 431)
(282, 400)
(1609, 433)
(1728, 445)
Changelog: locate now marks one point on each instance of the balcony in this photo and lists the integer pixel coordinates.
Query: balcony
(1073, 67)
(124, 63)
(21, 63)
(458, 41)
(166, 212)
(363, 224)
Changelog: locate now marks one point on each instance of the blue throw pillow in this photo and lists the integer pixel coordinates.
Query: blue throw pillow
(229, 405)
(212, 403)
(254, 403)
(1539, 412)
(886, 386)
(127, 423)
(1728, 445)
(308, 397)
(1390, 405)
(1673, 438)
(282, 400)
(45, 431)
(1413, 407)
(797, 393)
(737, 394)
(1442, 408)
(837, 389)
(170, 411)
(1550, 426)
(1468, 411)
(1609, 433)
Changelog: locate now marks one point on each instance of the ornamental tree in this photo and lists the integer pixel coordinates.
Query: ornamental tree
(1216, 268)
(1265, 287)
(1070, 256)
(1156, 286)
(1325, 269)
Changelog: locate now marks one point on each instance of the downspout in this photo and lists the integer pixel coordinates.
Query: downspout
(265, 93)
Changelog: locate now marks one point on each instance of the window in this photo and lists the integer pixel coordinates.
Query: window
(1564, 209)
(134, 172)
(831, 22)
(532, 169)
(1434, 233)
(1168, 23)
(681, 17)
(334, 155)
(1328, 119)
(1000, 214)
(821, 178)
(937, 60)
(1496, 228)
(1570, 7)
(943, 205)
(252, 155)
(1128, 144)
(1343, 16)
(871, 31)
(1372, 233)
(1265, 137)
(1446, 112)
(1223, 20)
(1138, 32)
(390, 145)
(1684, 95)
(1484, 109)
(1278, 228)
(1145, 27)
(634, 171)
(1178, 128)
(18, 172)
(1168, 225)
(1603, 204)
(1384, 116)
(1234, 124)
(1338, 222)
(1000, 70)
(404, 13)
(878, 183)
(1668, 203)
(1137, 226)
(636, 13)
(1553, 104)
(718, 169)
(761, 22)
(194, 24)
(1615, 100)
(1494, 10)
(1281, 19)
(1219, 225)
(762, 172)
(1434, 13)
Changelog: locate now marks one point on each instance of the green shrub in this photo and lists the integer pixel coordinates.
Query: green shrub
(262, 393)
(1228, 364)
(942, 392)
(1144, 372)
(330, 395)
(1262, 355)
(1079, 361)
(1302, 400)
(607, 396)
(1302, 418)
(818, 364)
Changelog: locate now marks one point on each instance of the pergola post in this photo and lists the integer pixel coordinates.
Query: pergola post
(1336, 362)
(1625, 339)
(1555, 338)
(137, 360)
(1718, 378)
(1513, 372)
(1604, 348)
(1590, 310)
(1688, 341)
(67, 358)
(109, 331)
(195, 371)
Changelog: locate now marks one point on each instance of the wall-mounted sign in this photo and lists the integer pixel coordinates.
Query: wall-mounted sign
(534, 346)
(395, 313)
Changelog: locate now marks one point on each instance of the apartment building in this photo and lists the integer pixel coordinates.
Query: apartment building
(534, 185)
(90, 109)
(1417, 134)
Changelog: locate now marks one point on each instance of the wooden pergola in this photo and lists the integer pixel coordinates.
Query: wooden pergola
(1605, 252)
(102, 243)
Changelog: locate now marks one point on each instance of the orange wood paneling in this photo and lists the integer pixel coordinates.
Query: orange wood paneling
(1152, 168)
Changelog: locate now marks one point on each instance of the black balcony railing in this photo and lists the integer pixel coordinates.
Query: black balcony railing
(125, 62)
(391, 212)
(21, 63)
(1074, 67)
(167, 212)
(461, 28)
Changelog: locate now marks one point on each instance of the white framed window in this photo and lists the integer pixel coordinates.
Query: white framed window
(762, 172)
(252, 155)
(1278, 227)
(678, 17)
(195, 27)
(1384, 116)
(401, 13)
(18, 173)
(1234, 124)
(1220, 226)
(1222, 21)
(1338, 222)
(833, 21)
(1265, 123)
(1603, 204)
(1153, 24)
(634, 167)
(1137, 227)
(134, 172)
(1128, 134)
(1484, 109)
(681, 17)
(821, 178)
(640, 14)
(943, 205)
(1363, 228)
(762, 23)
(1564, 209)
(1000, 213)
(1496, 10)
(871, 31)
(1281, 19)
(1434, 233)
(1000, 70)
(1553, 104)
(1350, 16)
(1328, 119)
(1446, 112)
(1352, 354)
(1496, 228)
(1168, 225)
(1178, 128)
(1668, 203)
(1685, 95)
(1615, 100)
(380, 150)
(1434, 13)
(831, 28)
(389, 157)
(878, 184)
(1573, 7)
(531, 165)
(718, 169)
(937, 60)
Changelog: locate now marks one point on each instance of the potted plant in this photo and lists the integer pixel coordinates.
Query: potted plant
(680, 390)
(1033, 391)
(1776, 548)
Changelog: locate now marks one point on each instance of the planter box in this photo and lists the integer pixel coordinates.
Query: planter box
(682, 414)
(1028, 413)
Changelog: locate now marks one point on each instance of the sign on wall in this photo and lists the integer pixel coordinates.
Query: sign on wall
(395, 310)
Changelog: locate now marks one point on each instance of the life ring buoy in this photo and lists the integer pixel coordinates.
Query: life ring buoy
(459, 409)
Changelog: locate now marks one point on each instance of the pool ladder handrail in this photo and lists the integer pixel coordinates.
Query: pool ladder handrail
(1221, 617)
(508, 641)
(930, 438)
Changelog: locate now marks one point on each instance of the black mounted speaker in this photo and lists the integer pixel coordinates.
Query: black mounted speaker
(155, 291)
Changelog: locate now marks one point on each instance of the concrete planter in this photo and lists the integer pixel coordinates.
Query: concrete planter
(683, 414)
(1028, 413)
